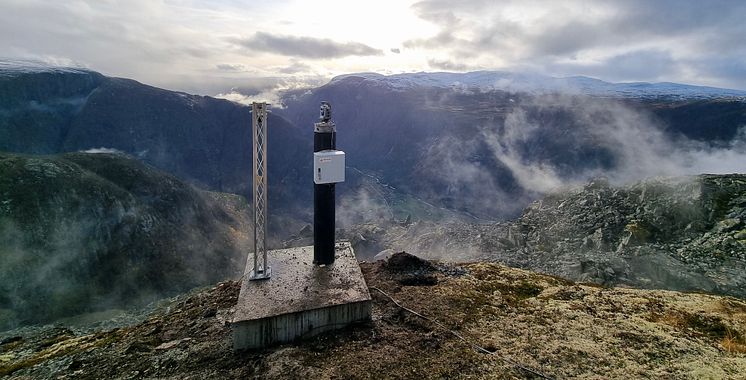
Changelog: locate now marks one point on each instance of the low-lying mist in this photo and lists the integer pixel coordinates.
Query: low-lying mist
(542, 144)
(634, 144)
(550, 142)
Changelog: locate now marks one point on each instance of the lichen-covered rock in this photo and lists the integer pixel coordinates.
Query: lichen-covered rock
(683, 233)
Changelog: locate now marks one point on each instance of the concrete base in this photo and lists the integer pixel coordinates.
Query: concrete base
(300, 299)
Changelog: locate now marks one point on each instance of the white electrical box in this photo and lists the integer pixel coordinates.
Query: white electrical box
(328, 166)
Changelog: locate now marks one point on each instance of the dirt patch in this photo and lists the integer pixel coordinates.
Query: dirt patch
(404, 262)
(410, 270)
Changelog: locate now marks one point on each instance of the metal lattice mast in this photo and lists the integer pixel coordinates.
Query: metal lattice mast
(259, 128)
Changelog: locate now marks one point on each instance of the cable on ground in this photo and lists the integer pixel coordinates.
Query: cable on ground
(475, 346)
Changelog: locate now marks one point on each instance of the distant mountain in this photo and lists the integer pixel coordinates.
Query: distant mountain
(83, 233)
(490, 150)
(480, 144)
(207, 141)
(541, 84)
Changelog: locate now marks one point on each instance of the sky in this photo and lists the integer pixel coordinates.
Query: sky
(249, 47)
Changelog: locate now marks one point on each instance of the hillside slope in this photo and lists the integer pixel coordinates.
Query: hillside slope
(200, 139)
(87, 232)
(545, 324)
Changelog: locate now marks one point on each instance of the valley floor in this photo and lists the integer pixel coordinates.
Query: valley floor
(549, 325)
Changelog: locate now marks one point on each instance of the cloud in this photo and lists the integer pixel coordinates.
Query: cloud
(643, 65)
(103, 150)
(196, 46)
(518, 130)
(110, 37)
(549, 142)
(294, 68)
(626, 144)
(305, 47)
(616, 38)
(364, 204)
(230, 67)
(467, 180)
(270, 89)
(182, 46)
(563, 39)
(730, 68)
(449, 65)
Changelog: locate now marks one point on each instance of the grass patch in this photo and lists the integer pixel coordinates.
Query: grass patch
(707, 326)
(474, 302)
(61, 348)
(733, 344)
(512, 293)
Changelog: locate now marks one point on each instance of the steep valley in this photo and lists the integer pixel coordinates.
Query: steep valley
(84, 233)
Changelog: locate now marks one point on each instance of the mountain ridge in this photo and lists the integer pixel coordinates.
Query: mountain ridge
(542, 84)
(203, 140)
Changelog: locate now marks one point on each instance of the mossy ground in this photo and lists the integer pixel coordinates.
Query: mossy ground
(563, 329)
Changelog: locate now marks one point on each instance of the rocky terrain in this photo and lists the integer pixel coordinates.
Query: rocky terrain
(85, 233)
(476, 320)
(682, 233)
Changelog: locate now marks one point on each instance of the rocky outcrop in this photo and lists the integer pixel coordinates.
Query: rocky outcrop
(684, 233)
(678, 233)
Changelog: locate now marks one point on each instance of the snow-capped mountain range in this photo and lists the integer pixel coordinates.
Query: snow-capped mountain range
(475, 80)
(9, 67)
(541, 84)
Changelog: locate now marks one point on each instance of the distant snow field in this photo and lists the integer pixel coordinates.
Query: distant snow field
(103, 150)
(541, 84)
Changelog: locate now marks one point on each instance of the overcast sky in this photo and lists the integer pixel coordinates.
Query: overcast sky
(210, 47)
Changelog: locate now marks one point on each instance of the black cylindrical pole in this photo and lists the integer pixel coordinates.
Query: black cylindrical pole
(324, 138)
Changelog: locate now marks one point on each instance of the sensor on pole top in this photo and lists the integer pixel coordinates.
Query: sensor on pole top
(325, 123)
(326, 112)
(328, 164)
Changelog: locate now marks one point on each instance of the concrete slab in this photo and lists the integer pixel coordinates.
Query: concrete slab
(300, 299)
